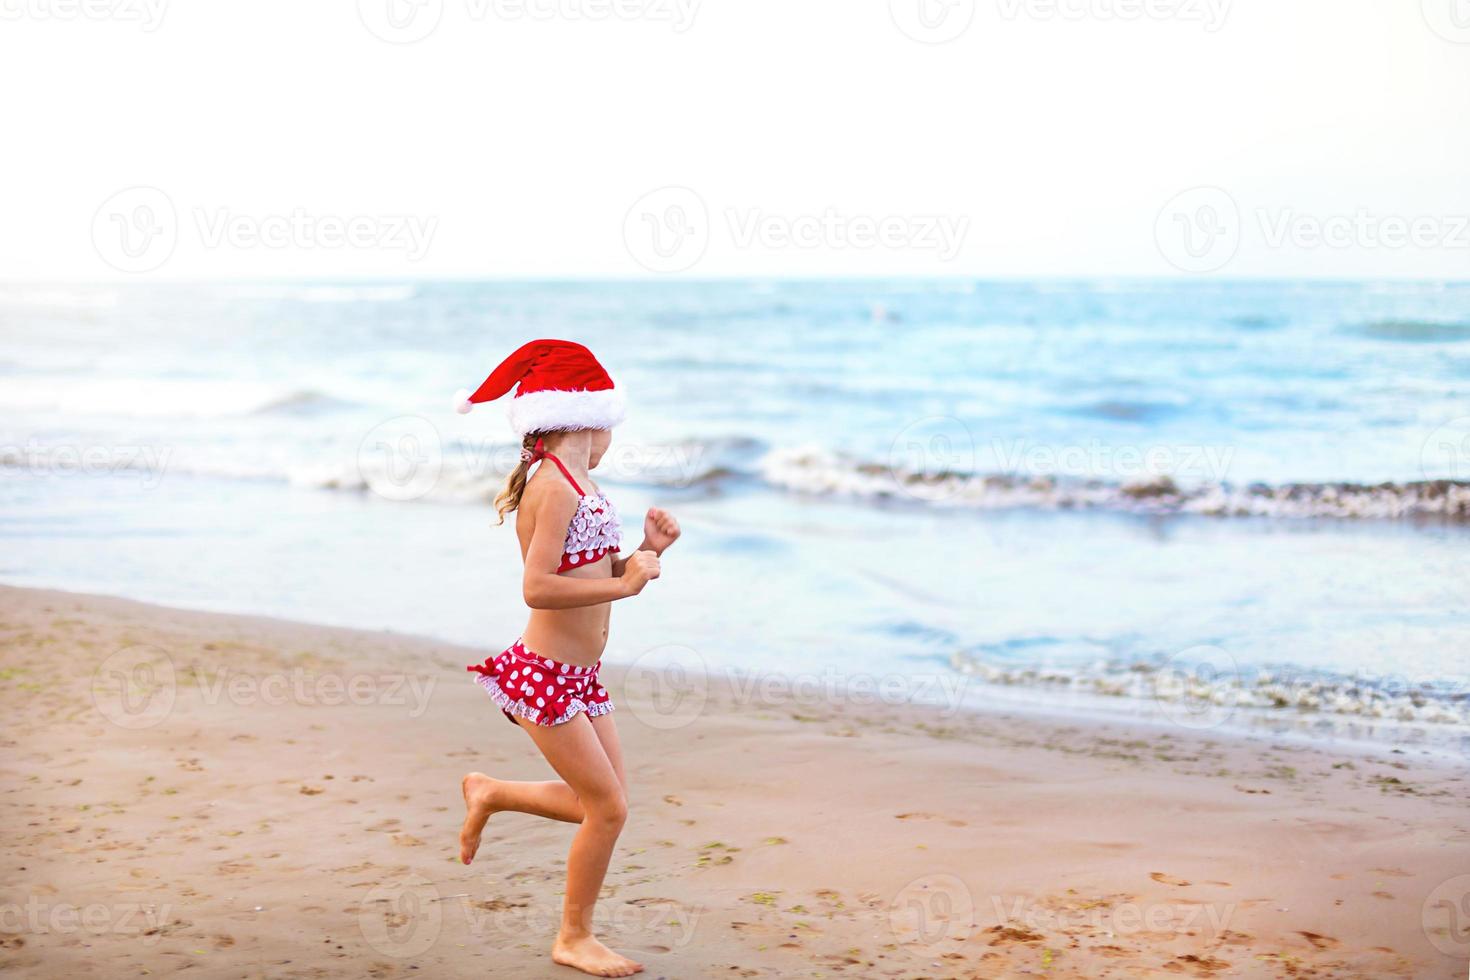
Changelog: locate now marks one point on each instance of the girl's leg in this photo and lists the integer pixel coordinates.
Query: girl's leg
(607, 734)
(576, 753)
(484, 797)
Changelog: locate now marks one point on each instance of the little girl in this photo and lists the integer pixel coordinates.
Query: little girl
(546, 682)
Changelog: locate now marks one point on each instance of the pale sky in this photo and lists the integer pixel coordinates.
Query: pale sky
(710, 138)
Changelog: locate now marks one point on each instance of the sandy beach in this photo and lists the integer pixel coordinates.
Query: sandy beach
(236, 797)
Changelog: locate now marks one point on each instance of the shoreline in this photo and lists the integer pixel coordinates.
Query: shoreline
(1432, 743)
(293, 811)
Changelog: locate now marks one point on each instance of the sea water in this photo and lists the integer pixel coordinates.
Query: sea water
(1250, 497)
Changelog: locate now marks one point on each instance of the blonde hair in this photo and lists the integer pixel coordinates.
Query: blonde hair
(509, 497)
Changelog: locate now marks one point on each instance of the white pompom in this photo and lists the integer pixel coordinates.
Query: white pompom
(462, 403)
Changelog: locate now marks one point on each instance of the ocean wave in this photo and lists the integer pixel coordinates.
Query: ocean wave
(298, 401)
(1203, 693)
(407, 471)
(822, 473)
(477, 475)
(328, 292)
(60, 298)
(1414, 331)
(357, 294)
(465, 474)
(155, 397)
(1122, 410)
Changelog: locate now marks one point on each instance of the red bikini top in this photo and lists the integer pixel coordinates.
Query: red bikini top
(594, 531)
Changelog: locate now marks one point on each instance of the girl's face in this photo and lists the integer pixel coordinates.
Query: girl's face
(601, 439)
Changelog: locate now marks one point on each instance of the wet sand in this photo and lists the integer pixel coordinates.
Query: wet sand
(240, 797)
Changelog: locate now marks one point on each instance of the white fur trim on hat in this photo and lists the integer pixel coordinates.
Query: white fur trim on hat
(559, 411)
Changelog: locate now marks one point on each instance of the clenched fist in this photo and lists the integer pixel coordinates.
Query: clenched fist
(642, 568)
(659, 529)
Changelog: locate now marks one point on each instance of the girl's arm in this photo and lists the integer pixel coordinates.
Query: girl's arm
(543, 588)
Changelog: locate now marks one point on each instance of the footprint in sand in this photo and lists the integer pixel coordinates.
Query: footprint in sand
(1393, 872)
(1164, 879)
(1004, 935)
(929, 816)
(1203, 966)
(1318, 940)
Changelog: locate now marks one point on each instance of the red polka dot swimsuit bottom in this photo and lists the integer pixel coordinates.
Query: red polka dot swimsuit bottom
(527, 685)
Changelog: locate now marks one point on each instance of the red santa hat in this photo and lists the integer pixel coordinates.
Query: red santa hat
(561, 387)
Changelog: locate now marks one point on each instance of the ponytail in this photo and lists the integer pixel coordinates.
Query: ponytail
(509, 497)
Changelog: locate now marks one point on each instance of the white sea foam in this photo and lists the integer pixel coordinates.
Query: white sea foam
(1302, 692)
(58, 298)
(819, 472)
(149, 397)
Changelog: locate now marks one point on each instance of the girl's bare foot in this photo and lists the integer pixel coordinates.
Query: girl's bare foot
(479, 792)
(590, 956)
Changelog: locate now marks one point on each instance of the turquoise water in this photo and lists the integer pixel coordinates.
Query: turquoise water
(1048, 489)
